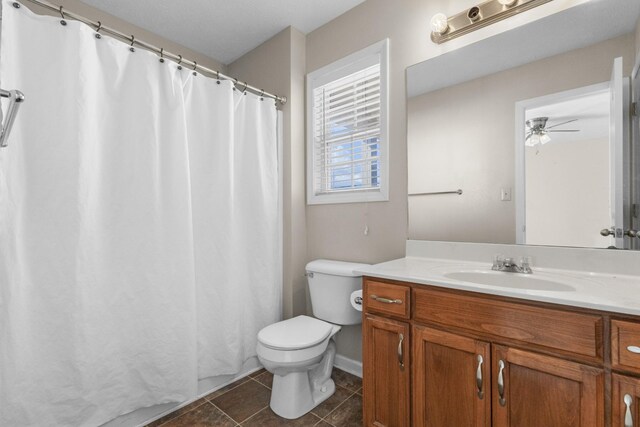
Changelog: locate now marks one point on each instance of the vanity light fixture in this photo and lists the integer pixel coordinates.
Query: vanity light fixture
(486, 13)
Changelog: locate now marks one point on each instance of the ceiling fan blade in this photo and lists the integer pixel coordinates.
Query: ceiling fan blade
(563, 123)
(564, 130)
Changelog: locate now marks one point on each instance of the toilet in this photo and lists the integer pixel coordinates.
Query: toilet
(299, 352)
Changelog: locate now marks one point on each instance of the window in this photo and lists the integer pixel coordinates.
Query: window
(347, 141)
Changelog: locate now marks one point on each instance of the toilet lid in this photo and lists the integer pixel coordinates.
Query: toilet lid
(295, 334)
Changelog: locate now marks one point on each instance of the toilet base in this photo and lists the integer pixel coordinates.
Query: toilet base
(297, 393)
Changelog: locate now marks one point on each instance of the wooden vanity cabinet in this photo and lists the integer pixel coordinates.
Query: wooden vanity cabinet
(482, 360)
(386, 375)
(625, 401)
(533, 390)
(451, 379)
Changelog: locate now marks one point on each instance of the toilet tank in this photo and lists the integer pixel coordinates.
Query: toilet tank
(330, 286)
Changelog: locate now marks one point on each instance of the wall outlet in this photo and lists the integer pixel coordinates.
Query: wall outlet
(505, 194)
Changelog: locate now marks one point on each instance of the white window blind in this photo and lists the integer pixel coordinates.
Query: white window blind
(347, 133)
(347, 140)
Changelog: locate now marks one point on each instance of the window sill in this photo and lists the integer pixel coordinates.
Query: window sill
(347, 197)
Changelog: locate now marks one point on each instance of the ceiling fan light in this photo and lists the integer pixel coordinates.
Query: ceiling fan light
(544, 138)
(532, 140)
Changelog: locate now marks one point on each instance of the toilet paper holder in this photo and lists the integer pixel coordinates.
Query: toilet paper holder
(358, 300)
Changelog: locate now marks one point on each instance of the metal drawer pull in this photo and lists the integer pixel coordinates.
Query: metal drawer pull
(479, 381)
(400, 352)
(501, 398)
(634, 349)
(628, 417)
(386, 300)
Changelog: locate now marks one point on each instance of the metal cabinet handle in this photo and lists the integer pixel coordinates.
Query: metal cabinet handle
(386, 300)
(501, 398)
(400, 352)
(479, 380)
(634, 349)
(628, 417)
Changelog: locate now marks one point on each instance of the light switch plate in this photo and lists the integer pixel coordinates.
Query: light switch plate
(505, 194)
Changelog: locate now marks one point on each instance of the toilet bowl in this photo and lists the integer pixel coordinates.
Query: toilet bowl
(300, 351)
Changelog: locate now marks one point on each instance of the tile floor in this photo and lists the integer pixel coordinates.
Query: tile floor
(246, 403)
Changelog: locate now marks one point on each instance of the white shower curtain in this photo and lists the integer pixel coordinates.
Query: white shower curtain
(138, 227)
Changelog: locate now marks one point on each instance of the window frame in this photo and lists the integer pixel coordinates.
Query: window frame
(341, 68)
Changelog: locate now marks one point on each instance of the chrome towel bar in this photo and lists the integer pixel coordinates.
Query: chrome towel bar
(433, 193)
(15, 99)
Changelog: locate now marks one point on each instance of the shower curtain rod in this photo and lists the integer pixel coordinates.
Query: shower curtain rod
(193, 65)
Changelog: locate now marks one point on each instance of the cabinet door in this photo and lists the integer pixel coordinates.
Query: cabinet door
(451, 380)
(625, 401)
(531, 390)
(386, 372)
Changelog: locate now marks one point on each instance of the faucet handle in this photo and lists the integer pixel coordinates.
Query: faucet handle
(498, 261)
(525, 264)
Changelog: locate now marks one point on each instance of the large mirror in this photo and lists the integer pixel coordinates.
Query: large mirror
(529, 136)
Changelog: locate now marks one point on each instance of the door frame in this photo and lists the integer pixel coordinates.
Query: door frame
(520, 172)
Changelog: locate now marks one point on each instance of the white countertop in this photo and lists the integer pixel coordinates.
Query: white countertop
(598, 291)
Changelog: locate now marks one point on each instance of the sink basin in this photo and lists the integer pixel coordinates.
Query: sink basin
(510, 280)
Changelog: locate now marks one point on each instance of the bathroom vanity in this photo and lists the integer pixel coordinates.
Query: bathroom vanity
(555, 348)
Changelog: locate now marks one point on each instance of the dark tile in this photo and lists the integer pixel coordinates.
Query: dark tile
(177, 413)
(346, 380)
(205, 415)
(226, 388)
(359, 391)
(244, 400)
(267, 418)
(265, 378)
(349, 414)
(323, 423)
(258, 373)
(340, 395)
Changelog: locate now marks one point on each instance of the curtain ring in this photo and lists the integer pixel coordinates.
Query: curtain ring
(98, 35)
(217, 76)
(235, 82)
(195, 65)
(162, 54)
(62, 21)
(244, 91)
(261, 94)
(179, 62)
(133, 39)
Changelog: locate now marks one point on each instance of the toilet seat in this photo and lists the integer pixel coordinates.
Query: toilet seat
(295, 334)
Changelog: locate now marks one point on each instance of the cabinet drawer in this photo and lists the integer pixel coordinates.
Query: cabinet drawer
(565, 331)
(625, 345)
(387, 298)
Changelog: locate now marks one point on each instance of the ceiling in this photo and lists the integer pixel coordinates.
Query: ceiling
(591, 112)
(224, 29)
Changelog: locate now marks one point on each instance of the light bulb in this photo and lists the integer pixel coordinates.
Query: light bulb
(507, 2)
(439, 23)
(534, 139)
(544, 138)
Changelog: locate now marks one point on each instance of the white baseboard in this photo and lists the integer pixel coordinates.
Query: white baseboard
(348, 365)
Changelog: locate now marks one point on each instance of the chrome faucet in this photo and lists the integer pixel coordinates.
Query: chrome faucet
(510, 266)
